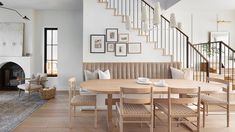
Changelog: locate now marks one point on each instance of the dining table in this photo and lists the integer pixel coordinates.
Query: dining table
(112, 86)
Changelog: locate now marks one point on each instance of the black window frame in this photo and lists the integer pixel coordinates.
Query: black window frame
(45, 51)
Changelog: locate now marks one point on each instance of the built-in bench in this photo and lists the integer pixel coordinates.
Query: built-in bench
(133, 70)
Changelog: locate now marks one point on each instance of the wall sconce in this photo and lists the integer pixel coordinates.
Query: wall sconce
(23, 17)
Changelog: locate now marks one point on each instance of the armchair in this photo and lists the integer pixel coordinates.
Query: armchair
(33, 84)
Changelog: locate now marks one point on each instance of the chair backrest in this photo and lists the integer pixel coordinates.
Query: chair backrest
(226, 88)
(184, 97)
(138, 96)
(72, 87)
(42, 79)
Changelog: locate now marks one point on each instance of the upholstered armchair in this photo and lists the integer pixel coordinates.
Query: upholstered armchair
(33, 84)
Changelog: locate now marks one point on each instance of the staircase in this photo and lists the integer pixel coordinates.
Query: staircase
(174, 41)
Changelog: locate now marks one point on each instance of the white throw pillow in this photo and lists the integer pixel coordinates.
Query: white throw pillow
(104, 75)
(186, 74)
(88, 75)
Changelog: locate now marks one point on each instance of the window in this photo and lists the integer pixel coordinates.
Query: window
(51, 51)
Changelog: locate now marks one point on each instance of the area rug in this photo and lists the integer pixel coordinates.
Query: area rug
(14, 109)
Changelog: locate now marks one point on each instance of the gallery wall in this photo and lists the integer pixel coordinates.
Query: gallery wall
(95, 21)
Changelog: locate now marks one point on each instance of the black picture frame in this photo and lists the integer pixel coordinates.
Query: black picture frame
(95, 45)
(112, 37)
(121, 35)
(110, 47)
(121, 49)
(134, 51)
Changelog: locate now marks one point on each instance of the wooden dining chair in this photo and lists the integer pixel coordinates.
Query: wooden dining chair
(79, 100)
(133, 109)
(177, 108)
(207, 100)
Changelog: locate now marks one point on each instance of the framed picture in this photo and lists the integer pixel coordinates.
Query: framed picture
(97, 43)
(112, 35)
(110, 47)
(121, 49)
(134, 48)
(124, 37)
(220, 36)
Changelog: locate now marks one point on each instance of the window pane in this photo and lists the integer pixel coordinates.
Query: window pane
(49, 53)
(55, 53)
(49, 67)
(55, 36)
(49, 37)
(54, 71)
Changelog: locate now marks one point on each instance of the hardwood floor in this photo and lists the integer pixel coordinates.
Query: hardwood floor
(53, 117)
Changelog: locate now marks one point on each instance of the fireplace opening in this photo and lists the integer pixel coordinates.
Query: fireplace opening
(10, 76)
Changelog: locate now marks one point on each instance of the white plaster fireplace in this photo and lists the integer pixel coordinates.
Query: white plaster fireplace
(23, 62)
(12, 61)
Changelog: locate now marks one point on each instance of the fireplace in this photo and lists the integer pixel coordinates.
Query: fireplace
(10, 75)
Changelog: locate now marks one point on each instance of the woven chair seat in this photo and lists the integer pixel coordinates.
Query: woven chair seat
(134, 110)
(29, 86)
(212, 100)
(177, 110)
(84, 100)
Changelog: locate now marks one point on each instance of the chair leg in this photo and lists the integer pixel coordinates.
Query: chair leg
(96, 117)
(154, 119)
(204, 114)
(74, 111)
(169, 124)
(141, 124)
(70, 114)
(151, 125)
(19, 92)
(207, 110)
(178, 124)
(198, 123)
(121, 124)
(29, 94)
(228, 115)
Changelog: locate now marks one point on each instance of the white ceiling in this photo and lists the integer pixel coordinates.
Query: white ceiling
(165, 4)
(198, 4)
(206, 5)
(77, 4)
(44, 4)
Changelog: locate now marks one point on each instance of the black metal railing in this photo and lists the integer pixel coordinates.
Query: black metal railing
(172, 40)
(221, 58)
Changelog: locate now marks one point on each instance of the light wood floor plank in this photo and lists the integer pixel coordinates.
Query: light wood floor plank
(53, 117)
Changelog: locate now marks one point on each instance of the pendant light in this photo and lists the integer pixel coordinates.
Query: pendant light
(179, 25)
(172, 20)
(144, 16)
(157, 14)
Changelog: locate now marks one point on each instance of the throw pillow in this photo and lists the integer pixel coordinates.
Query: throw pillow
(104, 75)
(186, 74)
(88, 75)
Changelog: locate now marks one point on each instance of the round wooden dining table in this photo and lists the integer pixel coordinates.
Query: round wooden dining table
(112, 86)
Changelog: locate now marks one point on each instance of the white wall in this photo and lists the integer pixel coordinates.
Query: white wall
(69, 24)
(11, 16)
(198, 20)
(95, 21)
